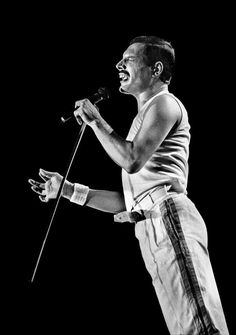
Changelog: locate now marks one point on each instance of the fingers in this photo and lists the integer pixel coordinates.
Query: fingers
(78, 118)
(45, 175)
(42, 188)
(36, 183)
(78, 103)
(85, 111)
(37, 187)
(83, 115)
(78, 111)
(43, 198)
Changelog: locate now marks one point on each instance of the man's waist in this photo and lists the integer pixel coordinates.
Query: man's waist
(152, 196)
(142, 205)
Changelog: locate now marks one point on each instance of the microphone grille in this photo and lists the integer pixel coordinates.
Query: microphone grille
(104, 93)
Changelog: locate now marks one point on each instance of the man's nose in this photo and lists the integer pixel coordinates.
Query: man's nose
(120, 65)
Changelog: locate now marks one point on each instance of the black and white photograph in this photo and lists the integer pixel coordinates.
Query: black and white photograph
(118, 206)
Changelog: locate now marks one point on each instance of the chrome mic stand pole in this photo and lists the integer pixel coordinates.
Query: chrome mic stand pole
(81, 132)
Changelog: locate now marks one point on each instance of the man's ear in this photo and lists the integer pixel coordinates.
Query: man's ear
(157, 69)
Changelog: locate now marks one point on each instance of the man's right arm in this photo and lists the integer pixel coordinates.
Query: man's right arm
(106, 201)
(103, 200)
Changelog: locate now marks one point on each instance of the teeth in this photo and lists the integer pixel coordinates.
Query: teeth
(123, 76)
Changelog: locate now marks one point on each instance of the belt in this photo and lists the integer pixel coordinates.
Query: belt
(146, 202)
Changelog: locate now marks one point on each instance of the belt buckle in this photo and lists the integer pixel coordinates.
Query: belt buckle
(123, 217)
(129, 216)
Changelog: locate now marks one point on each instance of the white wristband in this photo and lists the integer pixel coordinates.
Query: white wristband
(80, 194)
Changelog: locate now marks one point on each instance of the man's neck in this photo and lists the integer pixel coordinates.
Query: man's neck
(145, 96)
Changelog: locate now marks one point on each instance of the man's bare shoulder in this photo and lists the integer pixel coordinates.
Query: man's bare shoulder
(165, 106)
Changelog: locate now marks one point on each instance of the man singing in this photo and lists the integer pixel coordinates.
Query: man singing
(154, 161)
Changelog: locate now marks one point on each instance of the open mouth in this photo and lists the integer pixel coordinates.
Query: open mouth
(124, 76)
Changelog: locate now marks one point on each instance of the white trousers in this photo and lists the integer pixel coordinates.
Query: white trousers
(173, 243)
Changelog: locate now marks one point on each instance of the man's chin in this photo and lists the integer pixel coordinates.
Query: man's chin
(124, 89)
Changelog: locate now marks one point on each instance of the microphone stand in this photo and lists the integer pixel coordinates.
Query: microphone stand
(77, 143)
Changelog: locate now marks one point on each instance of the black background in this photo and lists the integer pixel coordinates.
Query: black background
(91, 275)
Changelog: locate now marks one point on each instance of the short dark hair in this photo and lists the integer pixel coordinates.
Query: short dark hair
(157, 49)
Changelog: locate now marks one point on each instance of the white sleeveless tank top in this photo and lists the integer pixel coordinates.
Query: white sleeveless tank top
(169, 163)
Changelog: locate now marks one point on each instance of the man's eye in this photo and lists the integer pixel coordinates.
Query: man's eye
(128, 59)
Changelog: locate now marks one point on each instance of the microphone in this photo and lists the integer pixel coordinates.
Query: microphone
(101, 94)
